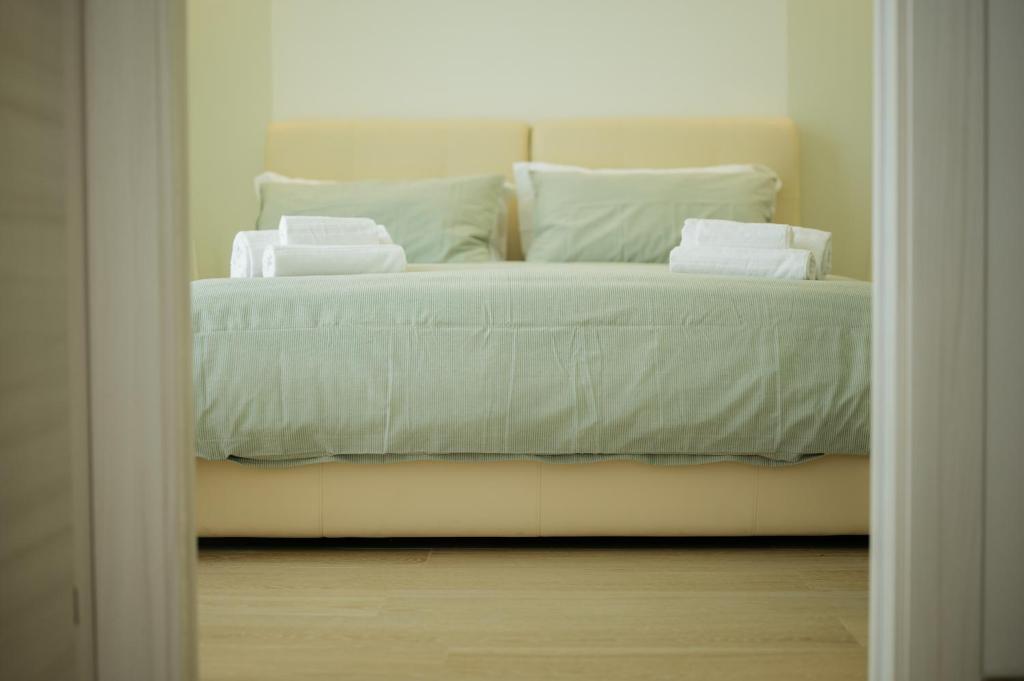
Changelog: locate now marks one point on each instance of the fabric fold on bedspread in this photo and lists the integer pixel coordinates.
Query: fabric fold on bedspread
(576, 362)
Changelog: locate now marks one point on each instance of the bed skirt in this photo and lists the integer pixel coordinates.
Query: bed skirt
(827, 496)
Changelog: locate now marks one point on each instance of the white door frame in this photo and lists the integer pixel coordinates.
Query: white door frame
(139, 340)
(927, 463)
(929, 362)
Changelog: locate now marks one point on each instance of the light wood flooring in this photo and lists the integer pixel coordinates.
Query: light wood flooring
(536, 610)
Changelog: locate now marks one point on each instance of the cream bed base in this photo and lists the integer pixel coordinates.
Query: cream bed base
(531, 499)
(525, 498)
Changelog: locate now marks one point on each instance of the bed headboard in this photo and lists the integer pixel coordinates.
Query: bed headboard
(355, 149)
(381, 149)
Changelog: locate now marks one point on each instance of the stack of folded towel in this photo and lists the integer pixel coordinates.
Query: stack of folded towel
(308, 245)
(752, 250)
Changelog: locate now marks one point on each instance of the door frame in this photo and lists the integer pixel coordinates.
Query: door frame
(928, 376)
(139, 340)
(928, 347)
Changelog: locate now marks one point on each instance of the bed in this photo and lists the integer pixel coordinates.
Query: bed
(486, 401)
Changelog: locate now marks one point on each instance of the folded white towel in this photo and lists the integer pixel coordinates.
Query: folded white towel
(247, 251)
(780, 263)
(313, 230)
(297, 261)
(817, 242)
(708, 232)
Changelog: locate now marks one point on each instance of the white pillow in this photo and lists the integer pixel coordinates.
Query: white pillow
(525, 192)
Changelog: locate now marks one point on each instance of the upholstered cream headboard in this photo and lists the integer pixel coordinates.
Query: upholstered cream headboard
(677, 143)
(410, 149)
(395, 149)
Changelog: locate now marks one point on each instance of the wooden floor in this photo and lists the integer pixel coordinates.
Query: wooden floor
(680, 609)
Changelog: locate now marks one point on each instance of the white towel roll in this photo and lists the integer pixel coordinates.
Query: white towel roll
(817, 242)
(297, 261)
(788, 263)
(383, 236)
(247, 251)
(312, 230)
(720, 233)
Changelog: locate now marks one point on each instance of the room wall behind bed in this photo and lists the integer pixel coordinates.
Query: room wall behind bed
(253, 61)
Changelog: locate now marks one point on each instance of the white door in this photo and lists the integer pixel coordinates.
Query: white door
(45, 630)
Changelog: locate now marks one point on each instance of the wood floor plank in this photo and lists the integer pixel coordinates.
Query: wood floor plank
(683, 611)
(830, 666)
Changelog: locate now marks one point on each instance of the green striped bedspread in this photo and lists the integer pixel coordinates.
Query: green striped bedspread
(567, 363)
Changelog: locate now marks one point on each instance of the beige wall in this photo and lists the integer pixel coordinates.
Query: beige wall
(229, 105)
(529, 58)
(251, 61)
(830, 98)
